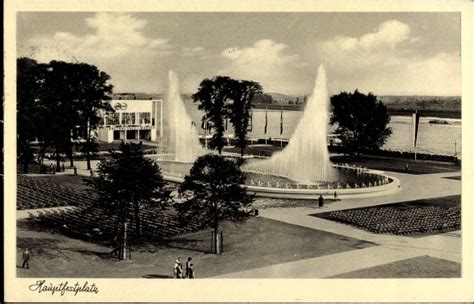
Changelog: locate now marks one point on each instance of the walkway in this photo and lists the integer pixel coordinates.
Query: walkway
(391, 248)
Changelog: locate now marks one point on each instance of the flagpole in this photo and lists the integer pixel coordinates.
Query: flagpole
(281, 129)
(415, 120)
(266, 122)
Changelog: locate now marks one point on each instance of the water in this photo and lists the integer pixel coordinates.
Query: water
(432, 138)
(180, 136)
(306, 156)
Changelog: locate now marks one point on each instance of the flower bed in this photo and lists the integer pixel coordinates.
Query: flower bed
(96, 225)
(422, 217)
(33, 193)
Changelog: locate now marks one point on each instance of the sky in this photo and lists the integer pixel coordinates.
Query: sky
(383, 53)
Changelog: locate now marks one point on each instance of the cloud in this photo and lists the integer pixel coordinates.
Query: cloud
(193, 52)
(113, 36)
(115, 42)
(389, 33)
(266, 61)
(388, 60)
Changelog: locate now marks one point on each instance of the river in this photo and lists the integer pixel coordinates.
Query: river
(444, 139)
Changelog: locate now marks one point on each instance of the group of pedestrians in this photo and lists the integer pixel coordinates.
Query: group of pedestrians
(189, 269)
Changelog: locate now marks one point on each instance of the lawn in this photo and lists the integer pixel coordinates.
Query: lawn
(267, 202)
(418, 267)
(416, 218)
(398, 164)
(257, 243)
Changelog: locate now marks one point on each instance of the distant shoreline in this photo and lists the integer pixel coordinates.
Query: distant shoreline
(391, 112)
(426, 113)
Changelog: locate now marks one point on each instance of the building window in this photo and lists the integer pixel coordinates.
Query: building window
(128, 118)
(112, 119)
(145, 118)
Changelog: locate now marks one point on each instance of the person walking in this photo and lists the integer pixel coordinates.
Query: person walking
(75, 171)
(178, 269)
(321, 201)
(335, 195)
(191, 271)
(189, 268)
(26, 259)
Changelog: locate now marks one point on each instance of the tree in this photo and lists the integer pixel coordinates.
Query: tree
(213, 96)
(126, 183)
(28, 85)
(242, 102)
(92, 97)
(213, 192)
(53, 99)
(223, 97)
(361, 121)
(58, 97)
(262, 99)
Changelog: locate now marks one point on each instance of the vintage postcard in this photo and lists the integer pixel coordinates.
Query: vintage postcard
(238, 151)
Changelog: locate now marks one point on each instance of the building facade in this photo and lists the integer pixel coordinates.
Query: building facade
(132, 120)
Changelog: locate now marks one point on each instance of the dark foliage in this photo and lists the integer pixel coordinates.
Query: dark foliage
(55, 98)
(223, 97)
(361, 121)
(128, 182)
(212, 192)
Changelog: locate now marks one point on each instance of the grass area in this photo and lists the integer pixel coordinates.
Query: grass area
(246, 246)
(397, 164)
(261, 150)
(416, 218)
(105, 146)
(267, 202)
(418, 267)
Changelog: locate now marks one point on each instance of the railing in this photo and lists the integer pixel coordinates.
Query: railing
(377, 180)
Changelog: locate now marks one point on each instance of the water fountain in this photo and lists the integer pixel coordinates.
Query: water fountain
(306, 156)
(180, 138)
(302, 170)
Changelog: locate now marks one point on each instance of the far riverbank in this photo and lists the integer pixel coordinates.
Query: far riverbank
(391, 112)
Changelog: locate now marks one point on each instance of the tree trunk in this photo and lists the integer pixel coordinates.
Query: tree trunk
(25, 166)
(88, 159)
(71, 157)
(58, 160)
(88, 138)
(26, 157)
(138, 227)
(216, 238)
(124, 241)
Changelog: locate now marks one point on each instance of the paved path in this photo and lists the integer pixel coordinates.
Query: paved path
(391, 248)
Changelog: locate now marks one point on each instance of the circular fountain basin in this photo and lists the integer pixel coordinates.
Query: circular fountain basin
(350, 182)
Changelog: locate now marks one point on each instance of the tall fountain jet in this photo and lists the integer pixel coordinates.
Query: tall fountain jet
(306, 156)
(180, 136)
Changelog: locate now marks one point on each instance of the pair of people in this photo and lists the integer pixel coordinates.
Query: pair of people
(178, 269)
